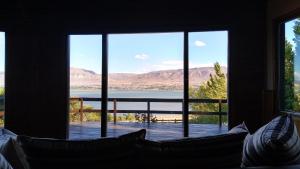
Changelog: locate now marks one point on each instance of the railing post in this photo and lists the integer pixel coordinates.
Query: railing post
(81, 110)
(220, 111)
(115, 111)
(148, 112)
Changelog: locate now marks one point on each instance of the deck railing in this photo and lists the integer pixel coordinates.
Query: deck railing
(148, 110)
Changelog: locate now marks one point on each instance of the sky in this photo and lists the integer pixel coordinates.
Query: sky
(289, 35)
(140, 53)
(145, 52)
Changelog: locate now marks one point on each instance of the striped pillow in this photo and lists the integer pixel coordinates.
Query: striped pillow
(276, 143)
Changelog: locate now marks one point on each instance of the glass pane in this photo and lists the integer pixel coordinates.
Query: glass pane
(85, 86)
(208, 83)
(2, 74)
(291, 87)
(146, 71)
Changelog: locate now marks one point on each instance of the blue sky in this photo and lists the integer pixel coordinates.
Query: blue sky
(140, 53)
(86, 52)
(289, 34)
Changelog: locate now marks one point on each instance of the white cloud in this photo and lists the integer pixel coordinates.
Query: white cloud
(200, 43)
(141, 56)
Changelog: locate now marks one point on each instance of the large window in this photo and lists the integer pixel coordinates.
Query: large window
(208, 82)
(173, 84)
(145, 79)
(290, 72)
(85, 86)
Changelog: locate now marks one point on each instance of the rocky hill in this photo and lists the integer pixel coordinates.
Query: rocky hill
(164, 79)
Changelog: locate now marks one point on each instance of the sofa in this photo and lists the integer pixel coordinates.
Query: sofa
(132, 151)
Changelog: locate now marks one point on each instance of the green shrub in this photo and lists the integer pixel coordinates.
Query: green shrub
(207, 119)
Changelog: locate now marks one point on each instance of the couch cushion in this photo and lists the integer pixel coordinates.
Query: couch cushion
(239, 128)
(134, 136)
(276, 143)
(4, 164)
(218, 151)
(97, 153)
(10, 150)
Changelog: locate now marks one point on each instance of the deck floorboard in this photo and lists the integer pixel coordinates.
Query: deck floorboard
(155, 131)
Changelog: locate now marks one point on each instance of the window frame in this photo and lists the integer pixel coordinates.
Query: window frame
(104, 80)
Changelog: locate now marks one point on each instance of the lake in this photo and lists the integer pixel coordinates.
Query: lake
(133, 94)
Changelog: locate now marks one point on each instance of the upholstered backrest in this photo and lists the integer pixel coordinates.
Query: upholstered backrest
(221, 151)
(43, 153)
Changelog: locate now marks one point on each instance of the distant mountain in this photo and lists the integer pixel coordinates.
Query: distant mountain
(164, 79)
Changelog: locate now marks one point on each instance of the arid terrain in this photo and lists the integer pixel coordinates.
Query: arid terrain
(156, 80)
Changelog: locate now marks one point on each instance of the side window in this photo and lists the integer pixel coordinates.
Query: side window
(291, 71)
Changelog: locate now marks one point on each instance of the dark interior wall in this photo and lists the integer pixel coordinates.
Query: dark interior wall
(37, 60)
(36, 85)
(247, 53)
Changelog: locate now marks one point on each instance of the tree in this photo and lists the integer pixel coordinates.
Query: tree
(296, 87)
(289, 76)
(214, 88)
(2, 91)
(297, 27)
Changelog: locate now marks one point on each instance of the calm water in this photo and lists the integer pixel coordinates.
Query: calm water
(133, 94)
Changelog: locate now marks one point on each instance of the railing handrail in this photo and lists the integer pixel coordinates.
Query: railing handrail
(149, 111)
(151, 100)
(156, 111)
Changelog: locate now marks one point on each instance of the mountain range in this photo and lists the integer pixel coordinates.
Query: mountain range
(156, 80)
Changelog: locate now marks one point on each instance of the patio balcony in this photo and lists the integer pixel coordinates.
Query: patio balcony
(167, 124)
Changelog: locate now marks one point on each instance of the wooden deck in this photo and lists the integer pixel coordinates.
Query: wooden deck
(155, 131)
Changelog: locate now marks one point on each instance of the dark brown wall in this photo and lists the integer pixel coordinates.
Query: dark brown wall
(37, 60)
(36, 82)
